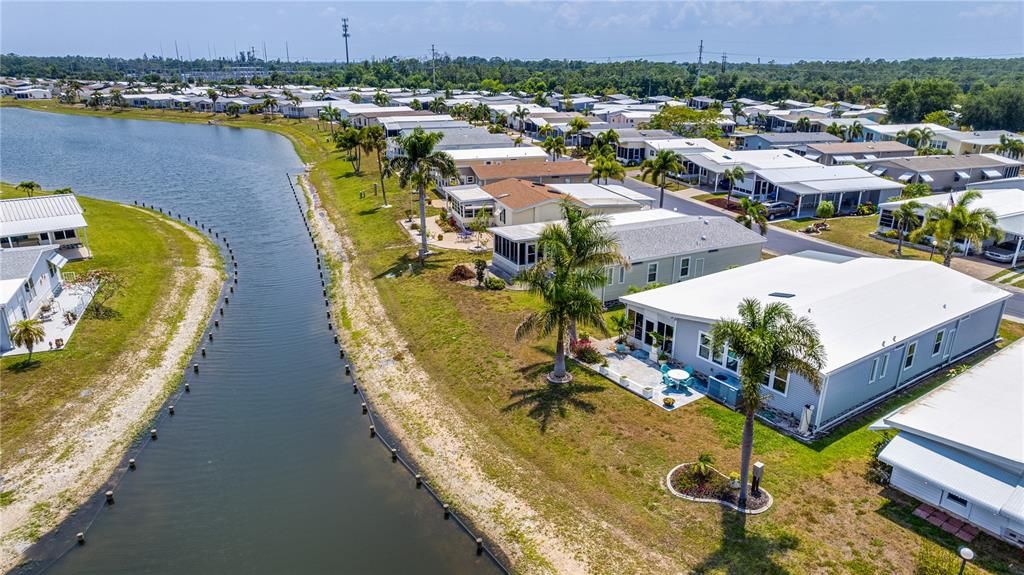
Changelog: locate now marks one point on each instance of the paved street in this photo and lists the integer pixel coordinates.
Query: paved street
(781, 242)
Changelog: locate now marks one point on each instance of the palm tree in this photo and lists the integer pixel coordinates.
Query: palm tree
(416, 165)
(333, 115)
(28, 187)
(95, 100)
(27, 333)
(957, 222)
(268, 104)
(350, 140)
(576, 253)
(836, 130)
(736, 110)
(855, 131)
(803, 124)
(518, 141)
(733, 175)
(545, 130)
(576, 126)
(213, 96)
(555, 146)
(437, 105)
(607, 167)
(768, 340)
(233, 109)
(375, 140)
(355, 98)
(116, 99)
(540, 99)
(520, 113)
(1009, 147)
(381, 99)
(905, 217)
(753, 212)
(658, 168)
(703, 466)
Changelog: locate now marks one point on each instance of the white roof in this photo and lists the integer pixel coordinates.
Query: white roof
(1007, 203)
(598, 195)
(987, 403)
(470, 193)
(893, 129)
(905, 298)
(497, 153)
(818, 178)
(751, 160)
(998, 490)
(686, 145)
(21, 216)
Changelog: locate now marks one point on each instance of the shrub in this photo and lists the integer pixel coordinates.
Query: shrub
(891, 234)
(587, 354)
(460, 273)
(866, 209)
(878, 471)
(702, 467)
(493, 283)
(933, 560)
(825, 210)
(414, 226)
(481, 271)
(440, 237)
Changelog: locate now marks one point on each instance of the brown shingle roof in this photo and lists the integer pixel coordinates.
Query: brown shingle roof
(519, 194)
(530, 170)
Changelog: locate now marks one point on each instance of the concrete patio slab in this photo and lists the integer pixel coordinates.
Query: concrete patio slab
(72, 297)
(642, 378)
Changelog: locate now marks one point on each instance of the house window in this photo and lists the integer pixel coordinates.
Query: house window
(638, 326)
(622, 274)
(885, 366)
(666, 332)
(652, 272)
(611, 275)
(874, 370)
(937, 345)
(908, 361)
(684, 268)
(704, 346)
(777, 380)
(732, 362)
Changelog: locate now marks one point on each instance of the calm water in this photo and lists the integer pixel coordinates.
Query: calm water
(267, 466)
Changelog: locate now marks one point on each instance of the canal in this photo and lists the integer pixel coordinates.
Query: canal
(266, 466)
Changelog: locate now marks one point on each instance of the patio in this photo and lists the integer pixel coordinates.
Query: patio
(639, 375)
(72, 297)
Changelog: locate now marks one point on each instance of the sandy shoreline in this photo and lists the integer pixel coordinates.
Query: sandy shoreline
(93, 432)
(431, 431)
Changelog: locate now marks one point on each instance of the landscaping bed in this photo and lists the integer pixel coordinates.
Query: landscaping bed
(685, 481)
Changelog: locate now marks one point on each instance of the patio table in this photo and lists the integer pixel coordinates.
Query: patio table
(678, 375)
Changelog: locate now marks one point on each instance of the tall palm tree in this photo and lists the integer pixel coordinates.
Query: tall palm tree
(545, 130)
(658, 168)
(768, 340)
(736, 109)
(554, 146)
(733, 175)
(576, 253)
(333, 115)
(416, 165)
(520, 114)
(836, 130)
(803, 124)
(957, 222)
(269, 102)
(855, 131)
(375, 140)
(27, 333)
(355, 98)
(117, 99)
(576, 126)
(753, 212)
(381, 99)
(905, 217)
(233, 109)
(437, 105)
(1010, 147)
(213, 96)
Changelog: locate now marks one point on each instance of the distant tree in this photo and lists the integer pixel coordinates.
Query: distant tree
(554, 146)
(520, 113)
(375, 140)
(658, 168)
(117, 99)
(437, 105)
(381, 99)
(1010, 147)
(27, 333)
(803, 124)
(233, 109)
(736, 109)
(905, 217)
(576, 126)
(753, 213)
(28, 187)
(213, 96)
(959, 223)
(269, 103)
(836, 130)
(855, 131)
(355, 98)
(607, 167)
(918, 190)
(937, 117)
(733, 175)
(416, 104)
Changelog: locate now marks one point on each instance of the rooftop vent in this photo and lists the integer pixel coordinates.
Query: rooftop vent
(781, 294)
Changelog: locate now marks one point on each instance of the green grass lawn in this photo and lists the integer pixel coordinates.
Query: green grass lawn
(853, 231)
(706, 197)
(591, 449)
(146, 251)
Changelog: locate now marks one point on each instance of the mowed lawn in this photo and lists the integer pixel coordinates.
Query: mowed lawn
(593, 446)
(854, 232)
(144, 250)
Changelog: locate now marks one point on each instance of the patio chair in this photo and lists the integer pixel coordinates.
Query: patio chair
(665, 368)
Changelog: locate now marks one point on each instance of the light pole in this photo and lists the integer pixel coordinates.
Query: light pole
(931, 256)
(966, 554)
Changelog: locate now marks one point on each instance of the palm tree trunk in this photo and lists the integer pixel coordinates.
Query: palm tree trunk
(661, 198)
(380, 170)
(899, 242)
(746, 450)
(572, 332)
(423, 225)
(947, 256)
(559, 372)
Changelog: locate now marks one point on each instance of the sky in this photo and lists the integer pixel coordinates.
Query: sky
(598, 31)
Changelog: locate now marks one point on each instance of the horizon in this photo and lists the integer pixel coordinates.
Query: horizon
(672, 31)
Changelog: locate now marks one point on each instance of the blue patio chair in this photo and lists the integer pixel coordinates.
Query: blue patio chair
(665, 368)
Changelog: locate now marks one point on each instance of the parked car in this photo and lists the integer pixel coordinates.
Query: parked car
(777, 209)
(1002, 253)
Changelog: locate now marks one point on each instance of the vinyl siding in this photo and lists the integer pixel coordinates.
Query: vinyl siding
(915, 485)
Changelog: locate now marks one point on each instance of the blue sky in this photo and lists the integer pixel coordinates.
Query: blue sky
(783, 31)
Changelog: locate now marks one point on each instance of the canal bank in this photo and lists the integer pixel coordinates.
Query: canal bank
(265, 462)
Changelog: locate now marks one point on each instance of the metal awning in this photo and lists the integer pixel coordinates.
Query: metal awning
(812, 156)
(906, 177)
(927, 178)
(870, 157)
(878, 171)
(963, 175)
(994, 174)
(57, 260)
(845, 158)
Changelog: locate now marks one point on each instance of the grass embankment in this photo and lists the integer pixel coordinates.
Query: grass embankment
(591, 449)
(143, 249)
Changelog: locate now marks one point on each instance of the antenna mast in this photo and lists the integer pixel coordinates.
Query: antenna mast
(433, 67)
(345, 35)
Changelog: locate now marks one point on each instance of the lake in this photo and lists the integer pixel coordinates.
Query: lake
(267, 465)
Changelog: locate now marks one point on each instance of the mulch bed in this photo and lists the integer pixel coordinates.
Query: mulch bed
(714, 486)
(720, 203)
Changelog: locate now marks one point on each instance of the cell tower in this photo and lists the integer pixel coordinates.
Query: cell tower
(345, 35)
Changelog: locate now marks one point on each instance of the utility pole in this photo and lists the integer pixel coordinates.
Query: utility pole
(433, 67)
(723, 62)
(345, 35)
(287, 54)
(264, 52)
(700, 60)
